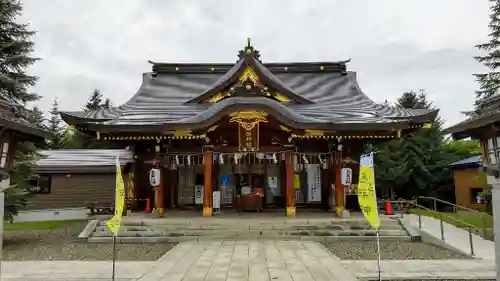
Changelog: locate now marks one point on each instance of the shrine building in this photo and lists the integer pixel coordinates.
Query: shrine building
(264, 135)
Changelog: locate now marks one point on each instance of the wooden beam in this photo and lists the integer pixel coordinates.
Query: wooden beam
(207, 188)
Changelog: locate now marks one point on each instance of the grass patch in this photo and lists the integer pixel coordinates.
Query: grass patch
(39, 225)
(459, 219)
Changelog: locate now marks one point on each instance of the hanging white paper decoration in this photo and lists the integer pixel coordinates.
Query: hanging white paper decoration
(221, 159)
(275, 159)
(305, 159)
(189, 160)
(320, 159)
(177, 162)
(236, 158)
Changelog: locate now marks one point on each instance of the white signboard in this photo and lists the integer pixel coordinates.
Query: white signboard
(154, 177)
(346, 176)
(216, 200)
(198, 194)
(313, 183)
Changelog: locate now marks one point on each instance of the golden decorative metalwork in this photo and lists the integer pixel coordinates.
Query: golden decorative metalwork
(285, 128)
(281, 97)
(249, 74)
(182, 133)
(296, 136)
(213, 128)
(248, 119)
(398, 133)
(427, 126)
(176, 68)
(314, 132)
(248, 86)
(157, 138)
(215, 98)
(321, 67)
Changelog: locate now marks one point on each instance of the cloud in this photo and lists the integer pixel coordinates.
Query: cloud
(394, 45)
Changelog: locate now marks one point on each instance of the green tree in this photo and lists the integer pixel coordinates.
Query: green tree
(55, 127)
(415, 164)
(16, 197)
(16, 47)
(96, 101)
(35, 117)
(15, 50)
(489, 82)
(77, 139)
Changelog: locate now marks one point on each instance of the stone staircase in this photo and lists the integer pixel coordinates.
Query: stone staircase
(325, 230)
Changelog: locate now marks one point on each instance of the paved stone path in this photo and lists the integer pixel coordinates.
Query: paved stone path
(455, 237)
(248, 260)
(422, 269)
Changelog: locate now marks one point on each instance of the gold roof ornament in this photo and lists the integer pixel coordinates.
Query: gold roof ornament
(248, 119)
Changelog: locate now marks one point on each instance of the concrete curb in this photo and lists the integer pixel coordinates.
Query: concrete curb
(89, 228)
(412, 231)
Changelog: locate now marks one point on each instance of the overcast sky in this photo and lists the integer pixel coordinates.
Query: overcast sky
(395, 45)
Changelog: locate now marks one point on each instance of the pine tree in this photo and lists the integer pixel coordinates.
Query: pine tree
(55, 128)
(416, 164)
(35, 117)
(489, 83)
(15, 50)
(80, 140)
(15, 57)
(16, 197)
(96, 102)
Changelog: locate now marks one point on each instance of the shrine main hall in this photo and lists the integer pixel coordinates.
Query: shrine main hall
(250, 135)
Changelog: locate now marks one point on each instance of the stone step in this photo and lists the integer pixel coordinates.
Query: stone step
(254, 223)
(328, 239)
(236, 226)
(251, 233)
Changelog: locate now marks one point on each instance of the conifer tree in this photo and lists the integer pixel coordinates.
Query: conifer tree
(55, 127)
(489, 83)
(16, 48)
(35, 117)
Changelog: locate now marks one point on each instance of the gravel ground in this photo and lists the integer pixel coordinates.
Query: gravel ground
(391, 250)
(62, 244)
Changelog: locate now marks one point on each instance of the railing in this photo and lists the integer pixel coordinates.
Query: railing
(485, 219)
(412, 206)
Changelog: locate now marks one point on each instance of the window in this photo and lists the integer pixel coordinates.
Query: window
(493, 150)
(41, 184)
(4, 155)
(476, 196)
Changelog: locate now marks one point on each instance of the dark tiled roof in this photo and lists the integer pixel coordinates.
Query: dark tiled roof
(474, 160)
(333, 97)
(81, 160)
(8, 119)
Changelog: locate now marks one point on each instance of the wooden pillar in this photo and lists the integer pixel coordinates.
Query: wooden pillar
(172, 186)
(339, 187)
(290, 192)
(207, 188)
(160, 192)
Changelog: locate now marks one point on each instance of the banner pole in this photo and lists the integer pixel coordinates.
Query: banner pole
(378, 258)
(115, 222)
(114, 258)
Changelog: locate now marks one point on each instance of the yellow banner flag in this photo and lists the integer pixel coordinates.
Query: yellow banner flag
(114, 222)
(367, 197)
